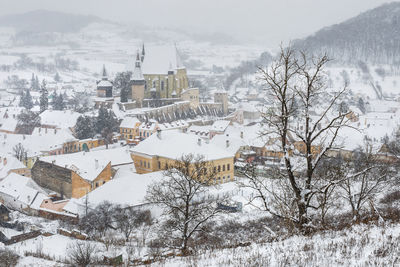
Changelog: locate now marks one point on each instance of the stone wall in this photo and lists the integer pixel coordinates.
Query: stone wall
(52, 177)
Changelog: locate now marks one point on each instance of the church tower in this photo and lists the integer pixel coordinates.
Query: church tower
(138, 81)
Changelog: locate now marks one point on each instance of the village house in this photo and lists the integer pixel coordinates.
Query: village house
(218, 127)
(9, 164)
(21, 193)
(129, 129)
(163, 149)
(71, 175)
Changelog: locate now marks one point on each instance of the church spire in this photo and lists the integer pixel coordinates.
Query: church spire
(143, 53)
(137, 72)
(104, 76)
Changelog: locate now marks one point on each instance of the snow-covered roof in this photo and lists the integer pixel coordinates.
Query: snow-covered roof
(129, 122)
(36, 144)
(117, 156)
(23, 189)
(129, 189)
(220, 125)
(59, 118)
(104, 83)
(228, 143)
(87, 165)
(8, 163)
(174, 144)
(158, 60)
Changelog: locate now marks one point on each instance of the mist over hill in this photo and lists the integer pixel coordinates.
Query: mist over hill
(372, 37)
(47, 21)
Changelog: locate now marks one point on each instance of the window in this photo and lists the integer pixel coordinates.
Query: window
(154, 83)
(97, 184)
(159, 165)
(219, 168)
(229, 177)
(140, 163)
(148, 164)
(162, 85)
(228, 166)
(215, 169)
(223, 168)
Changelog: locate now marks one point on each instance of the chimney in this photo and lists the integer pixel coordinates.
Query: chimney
(159, 133)
(5, 161)
(241, 134)
(227, 143)
(96, 163)
(199, 141)
(55, 131)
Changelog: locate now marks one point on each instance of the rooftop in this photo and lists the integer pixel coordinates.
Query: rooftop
(174, 144)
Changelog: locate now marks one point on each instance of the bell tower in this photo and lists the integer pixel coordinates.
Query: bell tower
(138, 82)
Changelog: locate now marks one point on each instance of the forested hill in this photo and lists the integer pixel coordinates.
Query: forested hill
(47, 21)
(372, 37)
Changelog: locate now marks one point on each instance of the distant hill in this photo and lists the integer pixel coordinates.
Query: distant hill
(40, 21)
(372, 36)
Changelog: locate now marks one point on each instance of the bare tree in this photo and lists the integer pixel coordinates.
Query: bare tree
(297, 84)
(81, 253)
(19, 152)
(128, 219)
(98, 220)
(183, 195)
(365, 177)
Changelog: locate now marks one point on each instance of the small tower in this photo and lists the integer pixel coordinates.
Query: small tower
(138, 82)
(222, 97)
(170, 81)
(104, 86)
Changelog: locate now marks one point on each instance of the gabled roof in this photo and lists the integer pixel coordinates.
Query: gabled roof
(129, 122)
(8, 163)
(220, 125)
(23, 189)
(87, 165)
(174, 144)
(158, 60)
(59, 118)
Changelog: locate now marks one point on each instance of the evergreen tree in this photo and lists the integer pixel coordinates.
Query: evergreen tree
(44, 100)
(57, 77)
(27, 100)
(33, 82)
(106, 122)
(22, 98)
(37, 85)
(122, 83)
(58, 102)
(84, 127)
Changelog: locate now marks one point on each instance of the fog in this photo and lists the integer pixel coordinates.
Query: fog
(263, 21)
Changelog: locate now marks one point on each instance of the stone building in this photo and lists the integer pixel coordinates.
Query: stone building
(164, 74)
(71, 175)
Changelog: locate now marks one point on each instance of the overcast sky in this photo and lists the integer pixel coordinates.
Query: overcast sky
(272, 21)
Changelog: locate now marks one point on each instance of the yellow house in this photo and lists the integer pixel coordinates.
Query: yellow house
(129, 129)
(163, 149)
(72, 175)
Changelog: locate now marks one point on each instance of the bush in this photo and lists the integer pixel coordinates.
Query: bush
(81, 253)
(8, 258)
